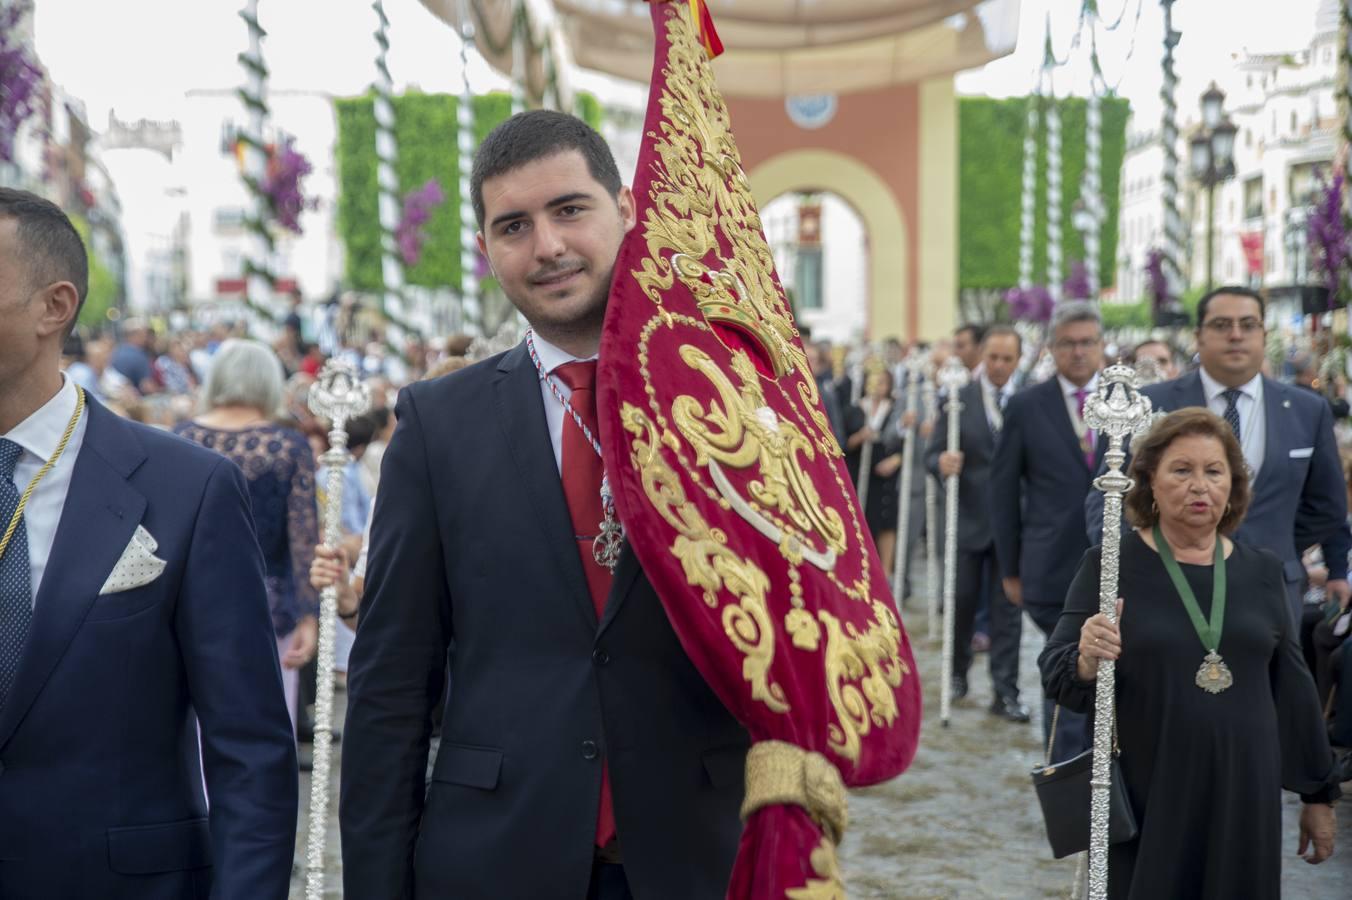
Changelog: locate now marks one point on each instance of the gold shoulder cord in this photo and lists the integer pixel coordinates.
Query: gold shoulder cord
(47, 467)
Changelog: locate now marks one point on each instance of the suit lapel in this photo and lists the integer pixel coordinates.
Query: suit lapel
(521, 412)
(100, 515)
(626, 574)
(978, 426)
(1059, 417)
(1274, 448)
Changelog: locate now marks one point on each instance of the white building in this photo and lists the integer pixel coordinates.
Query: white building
(826, 273)
(1284, 108)
(216, 199)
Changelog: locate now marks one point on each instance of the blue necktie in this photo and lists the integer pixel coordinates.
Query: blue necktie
(16, 592)
(1231, 414)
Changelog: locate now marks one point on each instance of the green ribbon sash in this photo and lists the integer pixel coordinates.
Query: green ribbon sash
(1208, 632)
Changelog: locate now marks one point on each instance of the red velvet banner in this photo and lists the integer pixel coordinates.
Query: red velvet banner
(734, 494)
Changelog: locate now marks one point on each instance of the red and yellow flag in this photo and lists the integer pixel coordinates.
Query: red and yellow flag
(703, 21)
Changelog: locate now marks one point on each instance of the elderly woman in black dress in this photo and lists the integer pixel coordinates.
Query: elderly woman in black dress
(1216, 710)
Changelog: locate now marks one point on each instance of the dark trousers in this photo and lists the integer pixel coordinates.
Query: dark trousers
(608, 883)
(1074, 731)
(978, 585)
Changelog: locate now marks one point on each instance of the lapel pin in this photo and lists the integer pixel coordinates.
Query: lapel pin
(1286, 404)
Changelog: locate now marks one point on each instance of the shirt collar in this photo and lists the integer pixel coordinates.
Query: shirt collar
(996, 391)
(1070, 390)
(41, 432)
(552, 357)
(1213, 388)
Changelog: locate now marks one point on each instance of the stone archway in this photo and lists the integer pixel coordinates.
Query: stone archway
(884, 223)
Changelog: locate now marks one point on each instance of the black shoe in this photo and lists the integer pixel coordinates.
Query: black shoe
(959, 688)
(1010, 709)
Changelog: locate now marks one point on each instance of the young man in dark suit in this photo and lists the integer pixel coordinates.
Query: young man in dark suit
(984, 401)
(582, 754)
(1043, 465)
(137, 656)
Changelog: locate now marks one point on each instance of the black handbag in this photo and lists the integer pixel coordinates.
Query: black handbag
(1063, 791)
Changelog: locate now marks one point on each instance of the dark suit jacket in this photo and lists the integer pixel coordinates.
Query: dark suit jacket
(977, 442)
(472, 549)
(100, 787)
(1038, 483)
(1299, 497)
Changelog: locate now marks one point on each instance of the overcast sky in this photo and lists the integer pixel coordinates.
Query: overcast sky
(140, 56)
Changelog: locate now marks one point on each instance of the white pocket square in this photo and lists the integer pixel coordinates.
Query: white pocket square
(1302, 453)
(138, 566)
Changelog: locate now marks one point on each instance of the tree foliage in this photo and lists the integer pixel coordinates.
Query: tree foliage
(991, 134)
(104, 291)
(426, 133)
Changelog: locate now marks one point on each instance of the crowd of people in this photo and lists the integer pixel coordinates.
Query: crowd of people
(467, 522)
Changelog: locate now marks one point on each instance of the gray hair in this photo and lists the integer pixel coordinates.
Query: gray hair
(1071, 311)
(244, 373)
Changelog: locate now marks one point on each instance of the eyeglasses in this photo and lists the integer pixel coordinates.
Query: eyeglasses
(1248, 325)
(1082, 344)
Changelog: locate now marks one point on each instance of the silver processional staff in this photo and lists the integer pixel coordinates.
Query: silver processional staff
(914, 368)
(930, 402)
(339, 395)
(1117, 411)
(953, 377)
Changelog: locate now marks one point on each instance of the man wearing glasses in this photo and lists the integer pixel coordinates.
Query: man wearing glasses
(1299, 495)
(1043, 463)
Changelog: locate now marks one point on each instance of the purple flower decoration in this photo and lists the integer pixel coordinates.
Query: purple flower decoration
(1076, 285)
(1327, 235)
(1033, 304)
(20, 78)
(418, 207)
(1159, 283)
(286, 167)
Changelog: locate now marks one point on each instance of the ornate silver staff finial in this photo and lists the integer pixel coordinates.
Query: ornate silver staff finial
(339, 395)
(915, 364)
(1116, 411)
(953, 377)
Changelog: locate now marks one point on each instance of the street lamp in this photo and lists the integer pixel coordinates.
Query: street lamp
(1212, 159)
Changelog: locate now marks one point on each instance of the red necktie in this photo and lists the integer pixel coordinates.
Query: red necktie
(582, 472)
(1087, 445)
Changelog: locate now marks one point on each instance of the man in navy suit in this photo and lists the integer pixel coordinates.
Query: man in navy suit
(1286, 433)
(1043, 464)
(132, 614)
(582, 755)
(981, 419)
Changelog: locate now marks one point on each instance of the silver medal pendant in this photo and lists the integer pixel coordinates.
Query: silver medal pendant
(606, 546)
(1213, 675)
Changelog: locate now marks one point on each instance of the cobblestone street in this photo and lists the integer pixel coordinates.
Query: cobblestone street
(963, 822)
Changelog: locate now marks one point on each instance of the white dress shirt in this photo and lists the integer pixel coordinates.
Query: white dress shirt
(1252, 416)
(995, 399)
(551, 358)
(39, 435)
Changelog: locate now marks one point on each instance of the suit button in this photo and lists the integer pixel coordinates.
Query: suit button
(590, 750)
(600, 657)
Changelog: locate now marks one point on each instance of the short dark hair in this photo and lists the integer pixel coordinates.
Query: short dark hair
(1003, 330)
(49, 246)
(978, 331)
(539, 134)
(1147, 452)
(1234, 289)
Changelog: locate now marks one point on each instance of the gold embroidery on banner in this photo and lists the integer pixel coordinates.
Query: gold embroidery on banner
(699, 190)
(701, 227)
(872, 660)
(744, 433)
(708, 563)
(828, 885)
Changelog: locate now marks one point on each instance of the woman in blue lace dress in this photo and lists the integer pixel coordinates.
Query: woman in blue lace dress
(243, 391)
